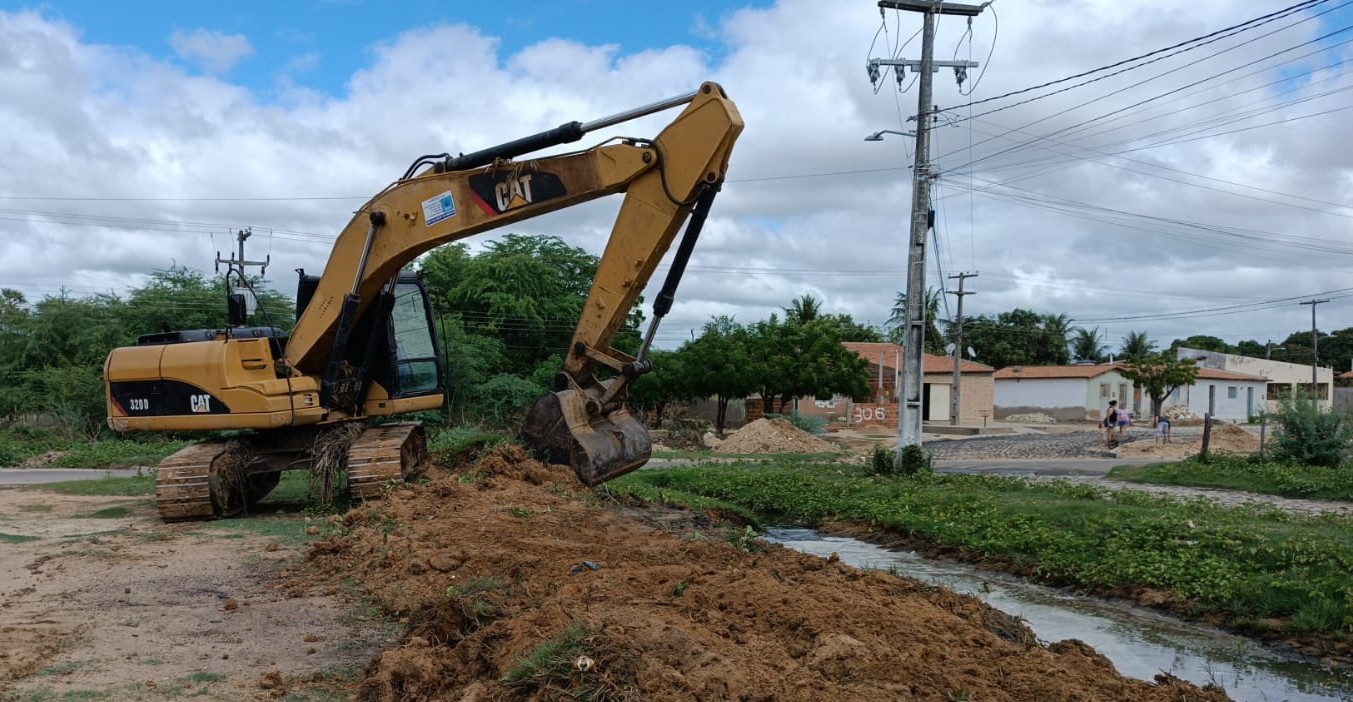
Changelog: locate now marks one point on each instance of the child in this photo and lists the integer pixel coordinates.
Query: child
(1162, 429)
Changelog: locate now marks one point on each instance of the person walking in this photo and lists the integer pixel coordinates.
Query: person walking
(1110, 424)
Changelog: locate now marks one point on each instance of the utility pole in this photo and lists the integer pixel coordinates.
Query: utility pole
(958, 345)
(909, 416)
(232, 263)
(1315, 346)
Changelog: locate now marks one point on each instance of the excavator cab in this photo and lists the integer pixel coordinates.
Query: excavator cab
(400, 358)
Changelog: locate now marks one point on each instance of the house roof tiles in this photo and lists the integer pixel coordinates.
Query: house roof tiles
(890, 356)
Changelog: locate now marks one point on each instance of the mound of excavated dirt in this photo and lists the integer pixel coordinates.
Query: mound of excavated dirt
(521, 591)
(773, 436)
(1225, 438)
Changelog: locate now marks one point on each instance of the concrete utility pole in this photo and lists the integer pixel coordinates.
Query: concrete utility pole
(909, 415)
(958, 345)
(1315, 346)
(238, 266)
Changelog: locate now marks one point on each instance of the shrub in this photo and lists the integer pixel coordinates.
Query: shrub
(913, 460)
(1311, 435)
(812, 425)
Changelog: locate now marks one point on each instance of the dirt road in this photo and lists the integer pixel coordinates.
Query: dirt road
(99, 600)
(501, 581)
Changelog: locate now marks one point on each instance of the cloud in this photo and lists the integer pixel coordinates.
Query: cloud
(213, 52)
(1151, 201)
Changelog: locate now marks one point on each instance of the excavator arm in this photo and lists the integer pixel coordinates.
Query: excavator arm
(663, 180)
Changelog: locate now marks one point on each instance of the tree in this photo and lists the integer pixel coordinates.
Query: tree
(1088, 345)
(803, 309)
(801, 360)
(528, 291)
(1137, 347)
(1018, 337)
(1159, 375)
(1202, 342)
(1056, 329)
(897, 323)
(716, 363)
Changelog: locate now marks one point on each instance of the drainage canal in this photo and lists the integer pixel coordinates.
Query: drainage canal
(1140, 642)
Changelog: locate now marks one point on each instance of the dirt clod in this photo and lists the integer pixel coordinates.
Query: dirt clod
(497, 615)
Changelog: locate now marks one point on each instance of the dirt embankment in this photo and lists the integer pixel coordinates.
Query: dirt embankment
(1225, 438)
(520, 585)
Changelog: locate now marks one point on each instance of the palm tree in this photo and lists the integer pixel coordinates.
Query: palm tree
(1137, 347)
(897, 323)
(1087, 345)
(803, 309)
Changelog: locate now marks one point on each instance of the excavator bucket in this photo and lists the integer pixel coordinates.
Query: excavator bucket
(599, 448)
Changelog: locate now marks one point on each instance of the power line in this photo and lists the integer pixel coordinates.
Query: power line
(1263, 19)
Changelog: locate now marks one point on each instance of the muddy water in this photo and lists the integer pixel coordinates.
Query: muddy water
(1141, 643)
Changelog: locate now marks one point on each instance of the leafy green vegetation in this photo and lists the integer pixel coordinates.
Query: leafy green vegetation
(18, 444)
(1246, 564)
(1247, 473)
(1311, 434)
(15, 538)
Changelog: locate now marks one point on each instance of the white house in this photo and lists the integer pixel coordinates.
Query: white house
(1281, 377)
(1066, 393)
(1224, 394)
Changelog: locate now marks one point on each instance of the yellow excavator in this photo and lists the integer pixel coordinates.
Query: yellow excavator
(364, 346)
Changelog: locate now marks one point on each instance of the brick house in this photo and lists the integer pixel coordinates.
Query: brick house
(885, 373)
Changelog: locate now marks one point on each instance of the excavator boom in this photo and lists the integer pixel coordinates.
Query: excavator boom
(342, 362)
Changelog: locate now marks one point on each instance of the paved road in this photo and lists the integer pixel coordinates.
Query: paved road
(1042, 467)
(16, 477)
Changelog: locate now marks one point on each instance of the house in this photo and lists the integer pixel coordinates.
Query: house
(885, 373)
(1223, 394)
(1066, 393)
(1282, 378)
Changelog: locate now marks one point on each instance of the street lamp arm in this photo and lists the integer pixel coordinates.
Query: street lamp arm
(878, 136)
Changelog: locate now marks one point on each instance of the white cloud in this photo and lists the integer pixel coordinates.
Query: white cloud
(214, 52)
(1054, 224)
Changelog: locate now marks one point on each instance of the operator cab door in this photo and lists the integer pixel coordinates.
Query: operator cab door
(397, 349)
(417, 368)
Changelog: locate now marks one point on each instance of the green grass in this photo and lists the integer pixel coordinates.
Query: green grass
(16, 538)
(35, 508)
(134, 486)
(550, 663)
(1246, 473)
(286, 529)
(110, 512)
(1242, 564)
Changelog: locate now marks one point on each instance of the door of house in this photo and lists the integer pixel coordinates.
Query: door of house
(925, 402)
(1249, 402)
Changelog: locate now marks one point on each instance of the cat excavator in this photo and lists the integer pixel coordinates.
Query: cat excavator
(364, 346)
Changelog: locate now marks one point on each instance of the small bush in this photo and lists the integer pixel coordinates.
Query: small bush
(1310, 434)
(914, 460)
(812, 425)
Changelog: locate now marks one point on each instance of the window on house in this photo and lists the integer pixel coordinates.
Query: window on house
(1231, 392)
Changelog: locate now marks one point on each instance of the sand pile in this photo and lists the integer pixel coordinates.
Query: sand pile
(518, 591)
(773, 436)
(1225, 438)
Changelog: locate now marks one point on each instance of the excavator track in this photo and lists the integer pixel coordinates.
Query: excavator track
(382, 454)
(183, 483)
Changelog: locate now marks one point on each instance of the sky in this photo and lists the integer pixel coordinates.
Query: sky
(1204, 192)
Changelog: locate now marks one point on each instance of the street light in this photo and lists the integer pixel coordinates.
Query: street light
(878, 136)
